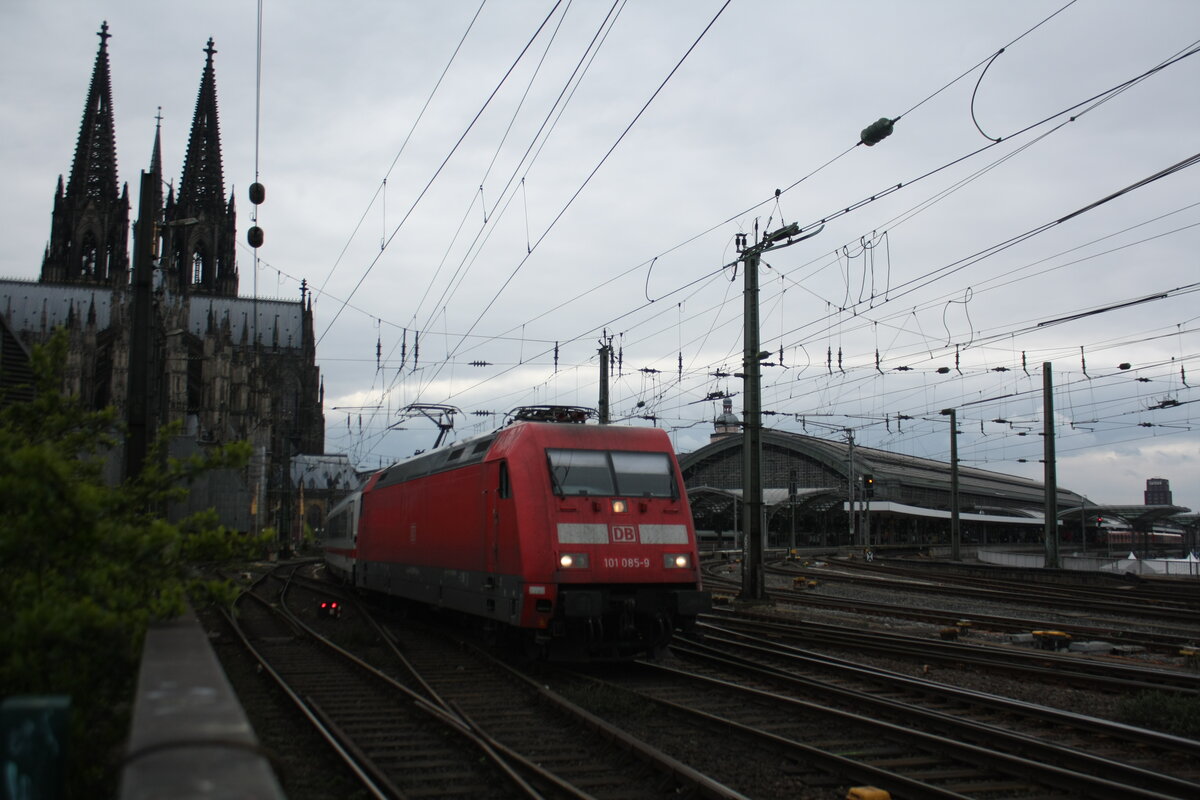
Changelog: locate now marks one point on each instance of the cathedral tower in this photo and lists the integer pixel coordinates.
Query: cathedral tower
(199, 234)
(89, 229)
(184, 349)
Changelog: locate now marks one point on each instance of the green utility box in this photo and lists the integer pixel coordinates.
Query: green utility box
(33, 746)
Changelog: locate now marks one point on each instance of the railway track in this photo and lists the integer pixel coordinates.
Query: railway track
(900, 737)
(1152, 594)
(1130, 601)
(1069, 669)
(524, 717)
(1126, 633)
(441, 718)
(1083, 743)
(395, 745)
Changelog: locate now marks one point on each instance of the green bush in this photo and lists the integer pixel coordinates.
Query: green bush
(1163, 711)
(85, 567)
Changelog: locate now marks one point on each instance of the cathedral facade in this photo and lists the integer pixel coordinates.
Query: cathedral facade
(157, 328)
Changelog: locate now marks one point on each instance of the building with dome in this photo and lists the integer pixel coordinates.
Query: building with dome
(727, 424)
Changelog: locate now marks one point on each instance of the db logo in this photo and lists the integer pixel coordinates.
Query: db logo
(624, 534)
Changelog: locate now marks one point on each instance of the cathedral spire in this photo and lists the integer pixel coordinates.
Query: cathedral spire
(200, 235)
(90, 222)
(94, 172)
(203, 178)
(156, 152)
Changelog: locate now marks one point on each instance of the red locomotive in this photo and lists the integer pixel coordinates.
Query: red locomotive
(578, 537)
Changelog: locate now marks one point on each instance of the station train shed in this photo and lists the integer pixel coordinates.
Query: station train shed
(819, 492)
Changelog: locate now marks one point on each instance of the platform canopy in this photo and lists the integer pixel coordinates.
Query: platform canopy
(1136, 516)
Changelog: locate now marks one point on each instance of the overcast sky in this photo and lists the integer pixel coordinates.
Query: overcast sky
(599, 185)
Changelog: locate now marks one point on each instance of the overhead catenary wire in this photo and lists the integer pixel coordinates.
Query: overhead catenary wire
(483, 338)
(600, 164)
(911, 285)
(404, 144)
(525, 163)
(1096, 99)
(504, 196)
(1145, 74)
(1120, 87)
(563, 210)
(438, 171)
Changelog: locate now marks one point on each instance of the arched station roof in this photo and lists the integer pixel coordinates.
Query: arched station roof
(893, 472)
(700, 496)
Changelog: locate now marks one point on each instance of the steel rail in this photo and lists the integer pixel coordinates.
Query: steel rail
(360, 763)
(1057, 666)
(1080, 761)
(1182, 597)
(1025, 594)
(840, 765)
(697, 784)
(371, 780)
(452, 718)
(1150, 641)
(1009, 763)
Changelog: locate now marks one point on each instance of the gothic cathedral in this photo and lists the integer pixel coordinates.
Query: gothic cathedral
(221, 366)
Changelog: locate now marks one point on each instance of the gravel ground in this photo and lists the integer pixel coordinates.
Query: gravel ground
(308, 770)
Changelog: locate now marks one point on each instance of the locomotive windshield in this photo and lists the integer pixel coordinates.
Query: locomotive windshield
(608, 473)
(643, 474)
(581, 472)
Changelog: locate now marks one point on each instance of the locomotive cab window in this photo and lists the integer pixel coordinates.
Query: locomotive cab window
(584, 472)
(643, 474)
(607, 474)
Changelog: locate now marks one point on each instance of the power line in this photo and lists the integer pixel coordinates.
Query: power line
(599, 164)
(438, 171)
(420, 115)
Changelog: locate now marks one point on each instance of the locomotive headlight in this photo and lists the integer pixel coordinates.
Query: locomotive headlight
(619, 506)
(573, 561)
(677, 560)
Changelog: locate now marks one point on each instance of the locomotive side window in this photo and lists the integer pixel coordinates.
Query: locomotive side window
(505, 488)
(584, 472)
(643, 474)
(338, 525)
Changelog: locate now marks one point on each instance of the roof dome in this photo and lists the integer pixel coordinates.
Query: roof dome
(727, 423)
